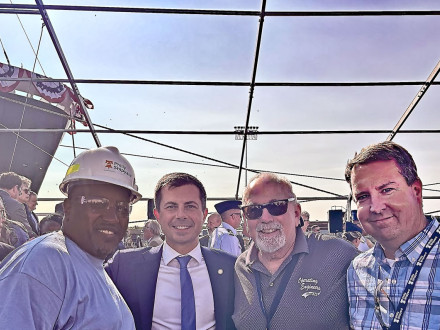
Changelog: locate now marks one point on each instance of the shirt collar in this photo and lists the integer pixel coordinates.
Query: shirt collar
(228, 226)
(412, 248)
(168, 253)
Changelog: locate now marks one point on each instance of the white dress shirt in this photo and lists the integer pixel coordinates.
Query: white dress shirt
(166, 312)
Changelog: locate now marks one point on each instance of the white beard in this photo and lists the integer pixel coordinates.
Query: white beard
(273, 243)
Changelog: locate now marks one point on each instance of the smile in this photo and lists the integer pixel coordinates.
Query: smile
(268, 231)
(181, 227)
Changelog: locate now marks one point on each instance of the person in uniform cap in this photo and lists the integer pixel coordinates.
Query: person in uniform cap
(225, 236)
(57, 281)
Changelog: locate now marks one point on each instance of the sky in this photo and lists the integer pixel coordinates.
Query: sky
(101, 45)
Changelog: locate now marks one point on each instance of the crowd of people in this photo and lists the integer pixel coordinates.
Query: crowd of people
(280, 273)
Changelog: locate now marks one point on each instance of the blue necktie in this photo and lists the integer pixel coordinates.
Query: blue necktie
(187, 303)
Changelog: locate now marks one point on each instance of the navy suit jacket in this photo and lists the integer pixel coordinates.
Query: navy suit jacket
(134, 272)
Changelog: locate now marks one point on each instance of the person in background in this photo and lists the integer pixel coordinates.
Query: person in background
(315, 229)
(152, 233)
(395, 284)
(5, 248)
(214, 220)
(306, 220)
(50, 223)
(354, 237)
(30, 207)
(57, 281)
(225, 237)
(10, 191)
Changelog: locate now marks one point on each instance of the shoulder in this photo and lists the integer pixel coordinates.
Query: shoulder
(45, 259)
(218, 256)
(132, 257)
(364, 260)
(330, 245)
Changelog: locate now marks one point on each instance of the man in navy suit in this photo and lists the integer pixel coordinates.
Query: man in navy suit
(149, 278)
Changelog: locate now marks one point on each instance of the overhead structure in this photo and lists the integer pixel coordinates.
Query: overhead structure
(30, 153)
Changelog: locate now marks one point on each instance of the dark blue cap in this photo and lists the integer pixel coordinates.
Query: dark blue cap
(227, 205)
(350, 226)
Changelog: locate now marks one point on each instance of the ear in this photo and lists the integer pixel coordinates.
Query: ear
(156, 213)
(67, 206)
(297, 214)
(417, 189)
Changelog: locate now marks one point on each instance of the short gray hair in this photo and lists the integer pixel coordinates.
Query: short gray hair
(154, 226)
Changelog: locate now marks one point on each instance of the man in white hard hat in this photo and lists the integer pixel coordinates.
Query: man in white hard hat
(57, 281)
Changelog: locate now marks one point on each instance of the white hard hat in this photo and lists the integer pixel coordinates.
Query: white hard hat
(104, 164)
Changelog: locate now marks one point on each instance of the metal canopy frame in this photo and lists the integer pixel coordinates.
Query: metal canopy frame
(42, 10)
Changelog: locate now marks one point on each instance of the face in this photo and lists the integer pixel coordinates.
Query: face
(233, 217)
(388, 209)
(23, 195)
(181, 216)
(316, 230)
(32, 202)
(306, 225)
(214, 220)
(272, 234)
(96, 231)
(147, 233)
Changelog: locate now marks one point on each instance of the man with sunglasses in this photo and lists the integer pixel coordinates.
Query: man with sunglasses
(286, 274)
(57, 281)
(10, 192)
(23, 197)
(394, 285)
(225, 236)
(179, 284)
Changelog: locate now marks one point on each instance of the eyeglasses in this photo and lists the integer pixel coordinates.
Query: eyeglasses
(275, 208)
(100, 205)
(26, 191)
(232, 214)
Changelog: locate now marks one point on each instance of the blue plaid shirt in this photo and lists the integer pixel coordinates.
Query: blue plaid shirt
(370, 269)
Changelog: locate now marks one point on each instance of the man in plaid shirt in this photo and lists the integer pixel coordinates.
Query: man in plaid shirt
(388, 194)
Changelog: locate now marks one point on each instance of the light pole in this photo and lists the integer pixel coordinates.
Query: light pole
(252, 132)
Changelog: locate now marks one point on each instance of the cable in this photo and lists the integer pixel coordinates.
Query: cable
(4, 52)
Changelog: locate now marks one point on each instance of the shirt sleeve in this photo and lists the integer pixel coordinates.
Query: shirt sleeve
(27, 304)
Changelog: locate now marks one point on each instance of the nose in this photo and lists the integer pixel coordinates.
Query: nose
(266, 216)
(181, 213)
(377, 204)
(110, 214)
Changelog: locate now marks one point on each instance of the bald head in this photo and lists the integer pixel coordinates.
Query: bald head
(214, 220)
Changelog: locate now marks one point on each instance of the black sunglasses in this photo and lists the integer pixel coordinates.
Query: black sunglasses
(275, 208)
(100, 205)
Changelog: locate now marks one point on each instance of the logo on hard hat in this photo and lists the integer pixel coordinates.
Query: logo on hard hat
(110, 164)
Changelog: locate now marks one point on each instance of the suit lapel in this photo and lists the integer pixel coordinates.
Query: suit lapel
(218, 283)
(146, 282)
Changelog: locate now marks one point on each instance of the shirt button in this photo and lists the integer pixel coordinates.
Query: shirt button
(271, 284)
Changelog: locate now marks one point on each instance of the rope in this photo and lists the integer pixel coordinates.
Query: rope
(4, 52)
(29, 41)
